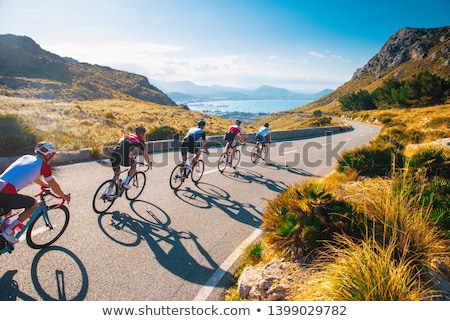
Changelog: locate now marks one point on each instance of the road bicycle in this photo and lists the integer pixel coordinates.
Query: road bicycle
(264, 151)
(112, 189)
(45, 226)
(223, 161)
(182, 171)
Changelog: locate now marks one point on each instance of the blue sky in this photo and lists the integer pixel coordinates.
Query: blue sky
(304, 46)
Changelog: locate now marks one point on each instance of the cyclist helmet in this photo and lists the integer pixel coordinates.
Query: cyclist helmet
(45, 148)
(238, 122)
(266, 125)
(201, 122)
(140, 130)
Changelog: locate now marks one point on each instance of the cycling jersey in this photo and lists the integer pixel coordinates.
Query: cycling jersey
(196, 134)
(262, 133)
(121, 153)
(192, 140)
(232, 132)
(23, 172)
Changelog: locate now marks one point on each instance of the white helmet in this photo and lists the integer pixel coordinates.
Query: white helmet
(45, 148)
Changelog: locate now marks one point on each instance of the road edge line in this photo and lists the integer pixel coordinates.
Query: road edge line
(210, 285)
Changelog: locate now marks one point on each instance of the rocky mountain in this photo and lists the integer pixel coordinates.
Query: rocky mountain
(26, 70)
(428, 47)
(406, 53)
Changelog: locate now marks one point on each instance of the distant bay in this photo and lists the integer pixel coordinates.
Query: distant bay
(246, 106)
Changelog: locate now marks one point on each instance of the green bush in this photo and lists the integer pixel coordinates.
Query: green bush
(16, 137)
(369, 161)
(163, 132)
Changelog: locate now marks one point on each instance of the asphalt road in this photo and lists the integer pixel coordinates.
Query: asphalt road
(166, 246)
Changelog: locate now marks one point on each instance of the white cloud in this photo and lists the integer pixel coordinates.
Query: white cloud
(166, 62)
(317, 54)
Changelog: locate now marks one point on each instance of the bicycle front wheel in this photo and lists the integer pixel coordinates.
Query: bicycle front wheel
(254, 156)
(222, 162)
(236, 158)
(197, 171)
(137, 183)
(264, 152)
(48, 227)
(105, 196)
(176, 178)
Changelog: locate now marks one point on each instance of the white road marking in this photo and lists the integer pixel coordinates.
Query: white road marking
(206, 290)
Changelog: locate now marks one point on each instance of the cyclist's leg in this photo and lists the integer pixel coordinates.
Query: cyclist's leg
(17, 201)
(233, 150)
(115, 159)
(131, 171)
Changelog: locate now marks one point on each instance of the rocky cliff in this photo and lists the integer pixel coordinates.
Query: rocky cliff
(430, 47)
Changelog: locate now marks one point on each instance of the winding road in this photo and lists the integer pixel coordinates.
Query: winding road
(167, 245)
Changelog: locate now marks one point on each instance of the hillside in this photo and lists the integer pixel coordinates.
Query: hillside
(406, 53)
(28, 71)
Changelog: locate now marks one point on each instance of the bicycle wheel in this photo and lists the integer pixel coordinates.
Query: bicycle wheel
(105, 196)
(176, 178)
(137, 183)
(236, 158)
(264, 152)
(48, 227)
(254, 156)
(197, 171)
(222, 162)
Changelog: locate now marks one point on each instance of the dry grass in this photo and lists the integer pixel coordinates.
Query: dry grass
(433, 122)
(92, 124)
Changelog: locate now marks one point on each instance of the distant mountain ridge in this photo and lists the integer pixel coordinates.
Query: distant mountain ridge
(26, 70)
(186, 92)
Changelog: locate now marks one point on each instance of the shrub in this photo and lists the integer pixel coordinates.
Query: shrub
(298, 220)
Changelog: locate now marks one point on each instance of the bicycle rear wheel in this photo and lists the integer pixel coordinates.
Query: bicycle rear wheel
(176, 178)
(222, 162)
(105, 196)
(137, 183)
(197, 171)
(236, 158)
(48, 227)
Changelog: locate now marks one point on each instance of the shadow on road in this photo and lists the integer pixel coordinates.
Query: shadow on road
(64, 278)
(151, 224)
(207, 196)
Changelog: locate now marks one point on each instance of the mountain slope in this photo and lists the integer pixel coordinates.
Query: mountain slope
(26, 70)
(406, 53)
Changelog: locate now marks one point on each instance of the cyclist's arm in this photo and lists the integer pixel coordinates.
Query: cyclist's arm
(205, 146)
(57, 189)
(40, 182)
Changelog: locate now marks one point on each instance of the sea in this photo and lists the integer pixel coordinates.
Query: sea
(247, 106)
(245, 110)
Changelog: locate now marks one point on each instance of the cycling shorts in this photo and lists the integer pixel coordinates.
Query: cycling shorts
(15, 201)
(117, 158)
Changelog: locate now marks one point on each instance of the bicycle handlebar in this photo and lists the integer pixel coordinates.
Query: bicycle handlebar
(146, 165)
(46, 191)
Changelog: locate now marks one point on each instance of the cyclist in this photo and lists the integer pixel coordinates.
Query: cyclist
(24, 171)
(231, 137)
(122, 154)
(263, 136)
(191, 141)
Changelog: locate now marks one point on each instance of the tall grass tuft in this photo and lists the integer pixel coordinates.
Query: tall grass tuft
(364, 271)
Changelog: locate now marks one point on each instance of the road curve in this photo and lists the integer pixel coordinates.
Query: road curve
(166, 246)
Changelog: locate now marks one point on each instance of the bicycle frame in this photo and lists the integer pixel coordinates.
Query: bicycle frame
(42, 207)
(119, 181)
